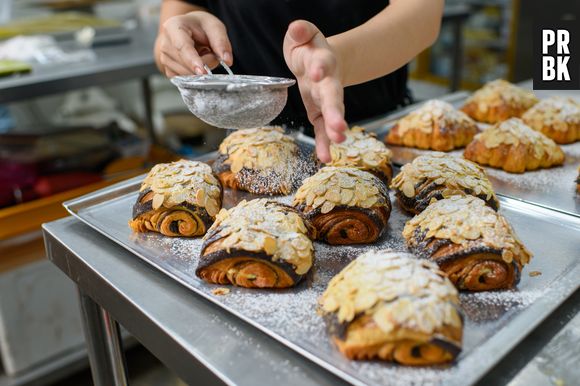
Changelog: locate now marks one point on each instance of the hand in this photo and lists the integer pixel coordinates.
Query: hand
(315, 66)
(187, 42)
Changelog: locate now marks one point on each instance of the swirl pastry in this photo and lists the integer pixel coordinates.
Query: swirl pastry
(497, 101)
(514, 147)
(180, 198)
(261, 161)
(363, 151)
(557, 118)
(257, 244)
(437, 176)
(436, 125)
(345, 205)
(391, 306)
(473, 244)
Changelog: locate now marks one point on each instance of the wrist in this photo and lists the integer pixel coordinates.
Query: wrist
(341, 60)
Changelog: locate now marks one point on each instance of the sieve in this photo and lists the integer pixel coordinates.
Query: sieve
(233, 101)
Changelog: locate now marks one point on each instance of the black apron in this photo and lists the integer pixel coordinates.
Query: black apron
(256, 29)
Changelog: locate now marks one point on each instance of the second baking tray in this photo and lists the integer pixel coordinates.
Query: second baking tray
(553, 188)
(494, 321)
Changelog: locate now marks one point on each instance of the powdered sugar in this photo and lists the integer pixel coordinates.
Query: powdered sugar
(291, 315)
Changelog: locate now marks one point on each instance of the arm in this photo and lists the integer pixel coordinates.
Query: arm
(376, 48)
(388, 41)
(188, 38)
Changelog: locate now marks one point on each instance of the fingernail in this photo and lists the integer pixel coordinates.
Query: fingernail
(198, 71)
(227, 57)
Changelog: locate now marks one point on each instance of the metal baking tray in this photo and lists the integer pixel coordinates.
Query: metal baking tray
(553, 188)
(494, 321)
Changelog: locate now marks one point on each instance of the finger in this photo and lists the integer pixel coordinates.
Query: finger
(321, 63)
(322, 142)
(300, 32)
(218, 40)
(211, 60)
(332, 108)
(182, 41)
(175, 68)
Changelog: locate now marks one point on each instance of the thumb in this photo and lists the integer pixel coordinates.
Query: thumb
(300, 32)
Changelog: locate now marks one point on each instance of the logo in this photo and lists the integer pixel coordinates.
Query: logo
(556, 56)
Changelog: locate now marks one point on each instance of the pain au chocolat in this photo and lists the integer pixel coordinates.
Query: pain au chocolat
(473, 244)
(436, 125)
(180, 198)
(364, 151)
(514, 147)
(436, 176)
(497, 101)
(557, 118)
(345, 205)
(261, 161)
(394, 307)
(257, 244)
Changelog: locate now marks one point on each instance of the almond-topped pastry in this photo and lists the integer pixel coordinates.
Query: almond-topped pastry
(556, 117)
(436, 125)
(514, 147)
(364, 151)
(345, 205)
(497, 101)
(257, 244)
(394, 307)
(261, 161)
(473, 244)
(436, 176)
(180, 198)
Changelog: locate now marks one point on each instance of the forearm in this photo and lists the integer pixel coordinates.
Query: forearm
(170, 8)
(387, 41)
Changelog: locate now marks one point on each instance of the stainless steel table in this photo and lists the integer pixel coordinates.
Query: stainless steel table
(114, 63)
(203, 344)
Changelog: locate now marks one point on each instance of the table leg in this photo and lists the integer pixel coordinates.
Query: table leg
(103, 344)
(148, 105)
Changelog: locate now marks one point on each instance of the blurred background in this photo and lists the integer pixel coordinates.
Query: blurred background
(82, 106)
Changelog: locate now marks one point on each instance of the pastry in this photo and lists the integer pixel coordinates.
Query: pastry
(392, 306)
(514, 147)
(363, 151)
(180, 198)
(578, 181)
(257, 244)
(345, 205)
(558, 118)
(261, 161)
(473, 244)
(497, 101)
(436, 176)
(436, 125)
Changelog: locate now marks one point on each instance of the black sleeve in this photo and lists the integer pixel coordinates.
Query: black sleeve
(201, 3)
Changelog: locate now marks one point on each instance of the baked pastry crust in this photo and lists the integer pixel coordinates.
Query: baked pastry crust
(557, 118)
(473, 244)
(436, 125)
(261, 161)
(180, 198)
(436, 176)
(392, 306)
(257, 244)
(578, 181)
(497, 101)
(345, 205)
(364, 151)
(514, 147)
